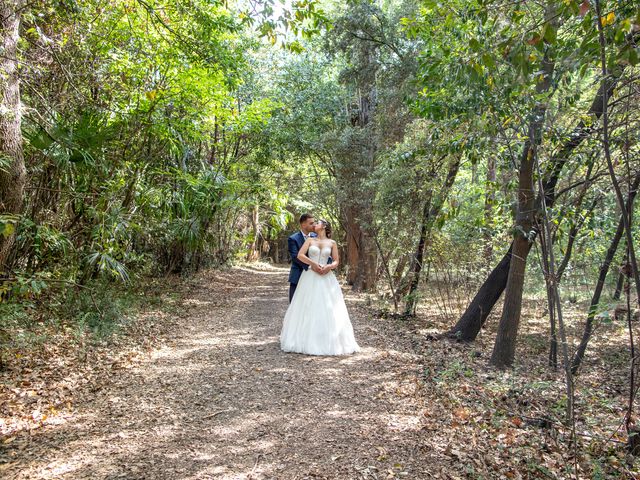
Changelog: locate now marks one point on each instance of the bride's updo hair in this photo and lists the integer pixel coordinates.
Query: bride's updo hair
(327, 227)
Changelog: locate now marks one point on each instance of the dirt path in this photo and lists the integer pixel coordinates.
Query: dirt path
(220, 400)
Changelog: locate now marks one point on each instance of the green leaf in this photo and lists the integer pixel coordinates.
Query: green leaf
(488, 60)
(8, 224)
(7, 229)
(549, 33)
(42, 140)
(474, 44)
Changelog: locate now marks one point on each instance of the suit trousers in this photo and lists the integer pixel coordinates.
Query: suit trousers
(292, 290)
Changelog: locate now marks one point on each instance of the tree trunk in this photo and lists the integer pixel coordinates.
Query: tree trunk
(362, 255)
(400, 277)
(367, 277)
(505, 345)
(620, 282)
(429, 215)
(551, 301)
(253, 252)
(416, 266)
(489, 201)
(356, 162)
(504, 348)
(474, 317)
(354, 239)
(13, 176)
(480, 307)
(604, 270)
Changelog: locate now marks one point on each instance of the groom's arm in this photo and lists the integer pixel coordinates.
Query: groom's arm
(293, 251)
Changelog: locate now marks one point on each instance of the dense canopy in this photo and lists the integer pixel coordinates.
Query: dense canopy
(478, 160)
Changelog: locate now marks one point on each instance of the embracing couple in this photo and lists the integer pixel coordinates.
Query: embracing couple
(317, 321)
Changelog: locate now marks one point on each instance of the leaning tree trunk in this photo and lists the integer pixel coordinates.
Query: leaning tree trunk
(476, 314)
(416, 266)
(431, 211)
(620, 281)
(13, 175)
(602, 276)
(505, 345)
(489, 202)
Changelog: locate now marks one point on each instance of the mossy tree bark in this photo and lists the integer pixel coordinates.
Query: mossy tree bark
(13, 172)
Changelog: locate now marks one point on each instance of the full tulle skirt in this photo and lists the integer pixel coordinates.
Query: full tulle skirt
(317, 321)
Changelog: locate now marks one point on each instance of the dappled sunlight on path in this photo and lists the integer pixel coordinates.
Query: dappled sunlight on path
(220, 400)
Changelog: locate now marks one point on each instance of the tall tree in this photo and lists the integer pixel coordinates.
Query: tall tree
(504, 348)
(481, 306)
(602, 276)
(366, 40)
(12, 168)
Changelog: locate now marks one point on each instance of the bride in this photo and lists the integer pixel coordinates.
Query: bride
(317, 321)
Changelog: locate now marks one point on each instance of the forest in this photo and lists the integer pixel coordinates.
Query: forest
(478, 160)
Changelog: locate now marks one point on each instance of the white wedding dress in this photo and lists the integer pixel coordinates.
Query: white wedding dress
(317, 321)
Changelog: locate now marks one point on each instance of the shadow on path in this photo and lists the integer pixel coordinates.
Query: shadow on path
(220, 400)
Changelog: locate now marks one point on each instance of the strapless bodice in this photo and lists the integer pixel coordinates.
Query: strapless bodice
(318, 255)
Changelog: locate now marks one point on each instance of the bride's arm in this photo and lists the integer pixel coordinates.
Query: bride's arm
(302, 254)
(335, 257)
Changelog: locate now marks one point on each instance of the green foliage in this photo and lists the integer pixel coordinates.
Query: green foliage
(161, 137)
(144, 138)
(164, 136)
(8, 224)
(99, 309)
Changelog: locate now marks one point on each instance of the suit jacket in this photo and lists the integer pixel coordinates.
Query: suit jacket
(295, 242)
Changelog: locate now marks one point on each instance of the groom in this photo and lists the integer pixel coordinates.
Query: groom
(295, 244)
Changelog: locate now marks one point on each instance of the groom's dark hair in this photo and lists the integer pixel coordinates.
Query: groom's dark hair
(304, 217)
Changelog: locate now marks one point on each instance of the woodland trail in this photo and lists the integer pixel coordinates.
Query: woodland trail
(219, 400)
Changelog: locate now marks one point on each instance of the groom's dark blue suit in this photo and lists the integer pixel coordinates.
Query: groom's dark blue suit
(297, 267)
